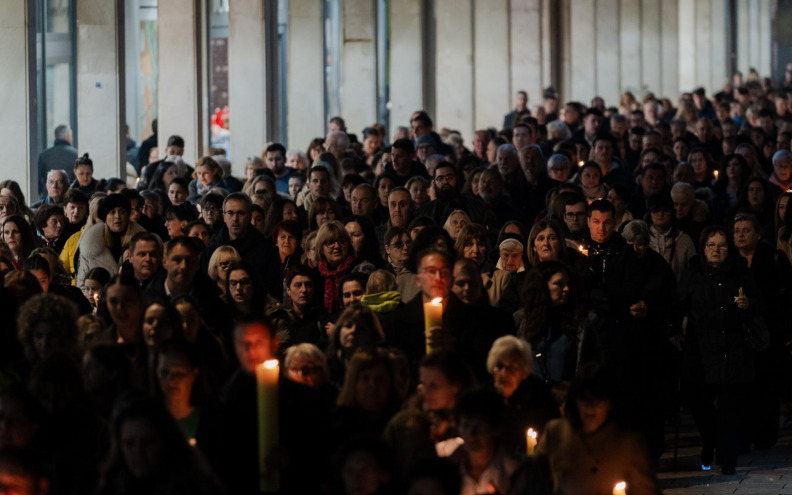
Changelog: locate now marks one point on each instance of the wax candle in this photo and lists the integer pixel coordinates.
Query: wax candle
(583, 250)
(581, 163)
(530, 441)
(433, 317)
(267, 388)
(96, 298)
(715, 173)
(620, 488)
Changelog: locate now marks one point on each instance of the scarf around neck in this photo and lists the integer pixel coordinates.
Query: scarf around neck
(333, 280)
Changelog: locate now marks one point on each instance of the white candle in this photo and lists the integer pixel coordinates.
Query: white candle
(267, 390)
(530, 441)
(620, 488)
(433, 317)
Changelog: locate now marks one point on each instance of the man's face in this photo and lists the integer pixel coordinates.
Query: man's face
(522, 101)
(575, 217)
(402, 161)
(745, 236)
(704, 130)
(507, 163)
(652, 182)
(417, 129)
(445, 179)
(490, 188)
(319, 184)
(652, 141)
(603, 152)
(399, 207)
(570, 115)
(236, 215)
(300, 291)
(57, 185)
(181, 265)
(521, 137)
(683, 207)
(466, 286)
(637, 120)
(592, 124)
(783, 169)
(559, 170)
(253, 346)
(636, 142)
(618, 129)
(145, 259)
(363, 201)
(75, 212)
(434, 276)
(275, 161)
(601, 225)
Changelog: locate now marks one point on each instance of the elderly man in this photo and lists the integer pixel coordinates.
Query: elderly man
(57, 184)
(337, 143)
(559, 167)
(782, 170)
(491, 189)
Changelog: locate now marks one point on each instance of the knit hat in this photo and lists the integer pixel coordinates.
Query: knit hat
(111, 202)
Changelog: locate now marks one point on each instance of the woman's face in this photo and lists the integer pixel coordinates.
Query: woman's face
(156, 325)
(383, 190)
(324, 216)
(475, 250)
(168, 176)
(467, 285)
(356, 236)
(54, 226)
(617, 201)
(300, 291)
(257, 221)
(200, 232)
(190, 321)
(372, 388)
(649, 158)
(334, 251)
(438, 393)
(680, 151)
(173, 225)
(399, 249)
(290, 212)
(222, 270)
(590, 178)
(508, 373)
(13, 237)
(240, 286)
(474, 183)
(177, 194)
(661, 219)
(117, 220)
(733, 170)
(93, 287)
(456, 222)
(286, 243)
(699, 164)
(593, 412)
(75, 212)
(84, 174)
(782, 204)
(547, 245)
(558, 289)
(511, 259)
(348, 192)
(141, 447)
(204, 174)
(310, 250)
(351, 291)
(492, 149)
(346, 336)
(295, 186)
(418, 193)
(716, 249)
(176, 377)
(123, 305)
(756, 195)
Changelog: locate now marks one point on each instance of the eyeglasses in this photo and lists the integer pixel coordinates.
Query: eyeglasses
(435, 272)
(573, 214)
(332, 242)
(508, 368)
(444, 178)
(210, 209)
(401, 244)
(242, 282)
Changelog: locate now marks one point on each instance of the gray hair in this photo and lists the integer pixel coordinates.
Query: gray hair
(637, 232)
(511, 345)
(338, 138)
(308, 352)
(507, 148)
(683, 189)
(781, 155)
(58, 171)
(558, 159)
(62, 131)
(558, 129)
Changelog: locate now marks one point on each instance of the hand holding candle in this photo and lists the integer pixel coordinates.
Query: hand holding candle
(620, 488)
(530, 441)
(433, 318)
(741, 300)
(267, 375)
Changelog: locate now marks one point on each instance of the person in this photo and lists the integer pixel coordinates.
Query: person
(50, 222)
(122, 304)
(363, 237)
(520, 110)
(18, 236)
(675, 246)
(248, 302)
(288, 239)
(335, 258)
(61, 156)
(404, 166)
(512, 254)
(75, 210)
(217, 269)
(353, 286)
(448, 199)
(85, 182)
(357, 328)
(207, 175)
(454, 223)
(323, 210)
(473, 244)
(364, 466)
(103, 244)
(397, 249)
(418, 187)
(305, 363)
(46, 325)
(718, 293)
(589, 451)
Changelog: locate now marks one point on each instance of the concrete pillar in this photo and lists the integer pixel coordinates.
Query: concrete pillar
(527, 49)
(454, 61)
(584, 50)
(247, 79)
(358, 64)
(101, 107)
(687, 43)
(766, 13)
(669, 48)
(631, 46)
(607, 45)
(720, 49)
(650, 45)
(406, 62)
(491, 54)
(306, 83)
(548, 44)
(180, 102)
(743, 41)
(18, 96)
(703, 47)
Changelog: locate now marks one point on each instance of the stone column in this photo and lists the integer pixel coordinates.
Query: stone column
(358, 64)
(454, 88)
(407, 71)
(306, 73)
(607, 45)
(526, 31)
(493, 95)
(101, 107)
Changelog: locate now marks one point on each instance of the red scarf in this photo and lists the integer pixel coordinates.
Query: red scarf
(333, 280)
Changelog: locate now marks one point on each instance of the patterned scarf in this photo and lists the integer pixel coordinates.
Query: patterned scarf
(333, 280)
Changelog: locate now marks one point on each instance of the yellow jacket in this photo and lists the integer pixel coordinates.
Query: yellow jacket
(68, 253)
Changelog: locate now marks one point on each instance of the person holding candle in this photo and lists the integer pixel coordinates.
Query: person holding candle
(589, 451)
(182, 385)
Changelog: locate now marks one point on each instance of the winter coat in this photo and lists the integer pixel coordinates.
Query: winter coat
(94, 253)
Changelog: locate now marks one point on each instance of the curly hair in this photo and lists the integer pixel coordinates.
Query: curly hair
(57, 311)
(536, 300)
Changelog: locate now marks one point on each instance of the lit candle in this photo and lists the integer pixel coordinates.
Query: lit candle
(620, 488)
(581, 163)
(433, 317)
(715, 173)
(267, 388)
(530, 441)
(583, 250)
(96, 298)
(740, 292)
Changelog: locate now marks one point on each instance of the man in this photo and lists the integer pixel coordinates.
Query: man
(782, 170)
(575, 212)
(449, 199)
(363, 201)
(146, 146)
(460, 329)
(145, 257)
(619, 126)
(61, 156)
(336, 143)
(57, 184)
(520, 110)
(571, 115)
(653, 182)
(522, 136)
(318, 186)
(687, 210)
(592, 122)
(706, 136)
(252, 246)
(174, 147)
(421, 125)
(612, 171)
(652, 140)
(275, 158)
(508, 165)
(400, 208)
(403, 165)
(491, 191)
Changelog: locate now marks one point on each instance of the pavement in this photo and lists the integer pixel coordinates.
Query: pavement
(766, 472)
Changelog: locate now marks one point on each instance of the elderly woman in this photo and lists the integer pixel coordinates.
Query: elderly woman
(221, 259)
(335, 258)
(103, 244)
(527, 398)
(473, 244)
(50, 222)
(288, 239)
(305, 363)
(512, 251)
(720, 299)
(454, 223)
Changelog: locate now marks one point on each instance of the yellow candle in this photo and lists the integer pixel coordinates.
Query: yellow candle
(267, 387)
(530, 441)
(583, 250)
(433, 317)
(740, 292)
(620, 488)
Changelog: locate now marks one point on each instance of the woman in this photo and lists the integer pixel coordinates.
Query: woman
(178, 191)
(546, 243)
(149, 453)
(84, 181)
(309, 250)
(700, 160)
(288, 239)
(308, 316)
(19, 239)
(681, 149)
(383, 185)
(353, 286)
(335, 258)
(454, 223)
(780, 212)
(357, 328)
(221, 259)
(512, 253)
(473, 244)
(69, 252)
(207, 175)
(161, 321)
(122, 303)
(168, 170)
(199, 230)
(364, 240)
(248, 300)
(675, 246)
(757, 198)
(527, 397)
(306, 364)
(733, 177)
(11, 188)
(282, 209)
(177, 217)
(181, 385)
(50, 222)
(397, 250)
(718, 295)
(323, 210)
(619, 196)
(590, 179)
(419, 190)
(47, 325)
(104, 243)
(588, 451)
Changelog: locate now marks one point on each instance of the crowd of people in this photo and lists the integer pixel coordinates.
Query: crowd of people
(598, 269)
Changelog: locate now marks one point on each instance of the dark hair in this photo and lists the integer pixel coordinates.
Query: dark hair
(536, 300)
(276, 147)
(114, 184)
(444, 472)
(190, 243)
(83, 160)
(481, 403)
(423, 245)
(176, 140)
(213, 199)
(745, 169)
(200, 390)
(45, 212)
(180, 181)
(297, 270)
(145, 236)
(183, 211)
(37, 262)
(712, 230)
(28, 242)
(592, 381)
(453, 367)
(404, 144)
(602, 205)
(289, 226)
(371, 248)
(78, 197)
(420, 222)
(99, 274)
(275, 213)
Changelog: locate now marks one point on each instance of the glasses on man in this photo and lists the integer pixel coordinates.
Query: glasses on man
(440, 179)
(401, 244)
(437, 272)
(574, 214)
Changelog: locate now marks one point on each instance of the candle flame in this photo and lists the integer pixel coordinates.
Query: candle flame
(581, 163)
(580, 248)
(271, 364)
(532, 433)
(437, 300)
(620, 486)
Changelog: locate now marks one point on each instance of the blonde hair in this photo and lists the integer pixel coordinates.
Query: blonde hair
(221, 255)
(328, 232)
(381, 281)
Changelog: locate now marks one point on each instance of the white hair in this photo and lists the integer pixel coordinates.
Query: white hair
(512, 346)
